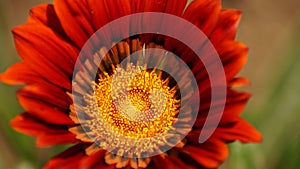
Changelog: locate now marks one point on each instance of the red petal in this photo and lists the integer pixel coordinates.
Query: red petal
(114, 11)
(234, 106)
(151, 6)
(226, 26)
(75, 18)
(96, 160)
(204, 14)
(175, 7)
(56, 138)
(69, 159)
(210, 154)
(170, 163)
(104, 11)
(46, 53)
(241, 131)
(46, 134)
(20, 73)
(45, 15)
(99, 14)
(234, 56)
(239, 82)
(47, 103)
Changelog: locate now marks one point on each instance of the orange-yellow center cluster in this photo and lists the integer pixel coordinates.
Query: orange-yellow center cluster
(135, 102)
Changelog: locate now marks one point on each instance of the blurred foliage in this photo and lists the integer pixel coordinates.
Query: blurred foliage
(271, 32)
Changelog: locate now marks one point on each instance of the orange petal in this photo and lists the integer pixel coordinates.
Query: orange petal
(239, 82)
(20, 73)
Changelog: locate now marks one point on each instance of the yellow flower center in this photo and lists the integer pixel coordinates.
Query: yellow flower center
(136, 103)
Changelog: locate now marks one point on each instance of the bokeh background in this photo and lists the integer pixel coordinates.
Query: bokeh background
(272, 31)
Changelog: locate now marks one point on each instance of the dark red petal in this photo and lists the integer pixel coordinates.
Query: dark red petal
(56, 138)
(234, 56)
(75, 18)
(175, 7)
(204, 14)
(170, 163)
(241, 131)
(80, 19)
(151, 6)
(46, 134)
(104, 11)
(20, 73)
(114, 11)
(214, 151)
(99, 15)
(44, 14)
(209, 154)
(69, 159)
(27, 124)
(46, 53)
(96, 160)
(226, 26)
(234, 106)
(47, 103)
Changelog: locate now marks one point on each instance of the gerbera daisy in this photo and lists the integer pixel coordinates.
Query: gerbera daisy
(119, 103)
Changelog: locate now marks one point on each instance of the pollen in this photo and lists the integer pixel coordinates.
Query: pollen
(135, 102)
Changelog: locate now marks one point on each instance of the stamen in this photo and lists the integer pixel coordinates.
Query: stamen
(135, 102)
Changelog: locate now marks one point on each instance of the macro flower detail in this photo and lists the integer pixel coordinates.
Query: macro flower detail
(128, 115)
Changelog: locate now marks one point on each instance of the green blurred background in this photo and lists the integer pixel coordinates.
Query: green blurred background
(269, 28)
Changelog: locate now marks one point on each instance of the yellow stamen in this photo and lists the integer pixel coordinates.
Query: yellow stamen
(136, 103)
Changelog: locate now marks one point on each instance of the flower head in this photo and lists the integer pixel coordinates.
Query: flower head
(122, 112)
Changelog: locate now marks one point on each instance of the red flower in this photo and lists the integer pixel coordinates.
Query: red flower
(49, 44)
